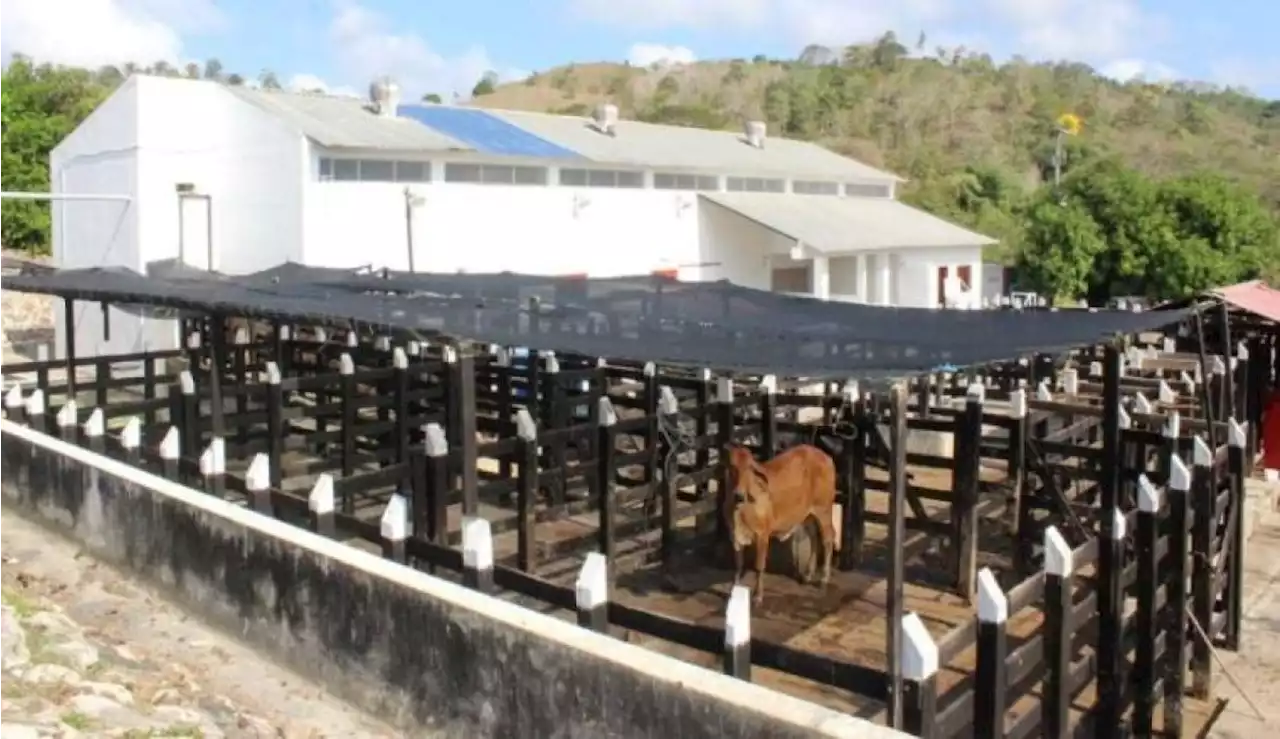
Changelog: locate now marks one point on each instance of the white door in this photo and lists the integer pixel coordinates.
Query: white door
(194, 232)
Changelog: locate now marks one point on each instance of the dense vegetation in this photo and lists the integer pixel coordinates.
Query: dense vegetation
(1166, 190)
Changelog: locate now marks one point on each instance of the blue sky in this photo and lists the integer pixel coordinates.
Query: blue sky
(431, 45)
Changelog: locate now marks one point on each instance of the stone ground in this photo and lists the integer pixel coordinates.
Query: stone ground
(89, 653)
(1256, 667)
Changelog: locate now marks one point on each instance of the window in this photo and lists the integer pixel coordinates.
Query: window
(754, 184)
(866, 190)
(494, 174)
(601, 178)
(377, 170)
(346, 170)
(812, 187)
(374, 170)
(413, 172)
(672, 181)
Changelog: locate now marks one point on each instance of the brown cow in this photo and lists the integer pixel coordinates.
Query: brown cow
(771, 500)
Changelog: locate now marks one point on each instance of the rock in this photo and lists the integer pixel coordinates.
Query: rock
(106, 712)
(48, 674)
(20, 731)
(166, 695)
(117, 693)
(77, 654)
(13, 639)
(54, 624)
(179, 715)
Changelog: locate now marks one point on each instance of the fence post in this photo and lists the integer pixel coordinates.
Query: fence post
(1111, 660)
(668, 409)
(1175, 644)
(95, 431)
(1236, 445)
(67, 420)
(768, 416)
(653, 434)
(400, 404)
(131, 440)
(919, 660)
(1203, 523)
(394, 527)
(257, 482)
(591, 593)
(605, 435)
(321, 506)
(35, 409)
(189, 404)
(477, 554)
(213, 467)
(1022, 521)
(14, 404)
(724, 438)
(1059, 569)
(553, 418)
(171, 454)
(1150, 501)
(702, 427)
(737, 633)
(275, 425)
(437, 484)
(347, 438)
(1169, 448)
(526, 490)
(990, 696)
(964, 522)
(853, 458)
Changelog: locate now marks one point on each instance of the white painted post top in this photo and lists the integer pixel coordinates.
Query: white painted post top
(737, 617)
(437, 445)
(394, 524)
(13, 397)
(1179, 475)
(993, 604)
(1201, 454)
(1059, 560)
(919, 658)
(321, 500)
(668, 404)
(525, 427)
(131, 434)
(1150, 497)
(591, 589)
(67, 414)
(477, 543)
(171, 444)
(258, 476)
(95, 424)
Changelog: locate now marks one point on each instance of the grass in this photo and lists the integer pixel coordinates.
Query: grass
(76, 720)
(189, 732)
(22, 606)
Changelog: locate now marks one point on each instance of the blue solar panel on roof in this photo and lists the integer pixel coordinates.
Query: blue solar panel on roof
(484, 132)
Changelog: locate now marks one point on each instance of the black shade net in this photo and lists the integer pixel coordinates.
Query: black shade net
(717, 325)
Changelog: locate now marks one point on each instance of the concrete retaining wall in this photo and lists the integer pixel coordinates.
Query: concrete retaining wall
(428, 656)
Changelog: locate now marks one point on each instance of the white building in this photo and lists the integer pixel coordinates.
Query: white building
(236, 180)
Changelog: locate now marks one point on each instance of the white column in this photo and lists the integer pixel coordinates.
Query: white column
(821, 277)
(884, 273)
(863, 283)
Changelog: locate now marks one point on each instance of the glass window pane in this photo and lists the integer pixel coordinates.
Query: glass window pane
(865, 189)
(573, 177)
(601, 178)
(326, 167)
(663, 181)
(735, 184)
(347, 170)
(412, 172)
(529, 175)
(631, 179)
(377, 170)
(687, 182)
(494, 174)
(461, 172)
(708, 182)
(774, 185)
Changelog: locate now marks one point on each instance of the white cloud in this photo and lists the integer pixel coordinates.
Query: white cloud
(644, 55)
(95, 32)
(1262, 76)
(304, 82)
(367, 47)
(1126, 70)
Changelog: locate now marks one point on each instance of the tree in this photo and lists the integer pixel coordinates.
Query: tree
(213, 70)
(487, 84)
(268, 80)
(432, 97)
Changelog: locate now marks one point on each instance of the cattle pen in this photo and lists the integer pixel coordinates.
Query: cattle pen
(1041, 545)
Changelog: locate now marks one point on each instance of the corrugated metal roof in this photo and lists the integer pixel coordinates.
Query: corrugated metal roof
(1254, 296)
(657, 146)
(346, 122)
(847, 224)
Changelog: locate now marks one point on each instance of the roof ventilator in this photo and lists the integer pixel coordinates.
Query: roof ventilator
(755, 133)
(606, 119)
(384, 96)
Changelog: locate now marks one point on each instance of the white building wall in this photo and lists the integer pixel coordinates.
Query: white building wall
(601, 232)
(917, 278)
(151, 135)
(99, 158)
(738, 250)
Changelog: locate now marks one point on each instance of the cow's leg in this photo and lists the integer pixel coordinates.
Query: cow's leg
(828, 527)
(762, 558)
(739, 563)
